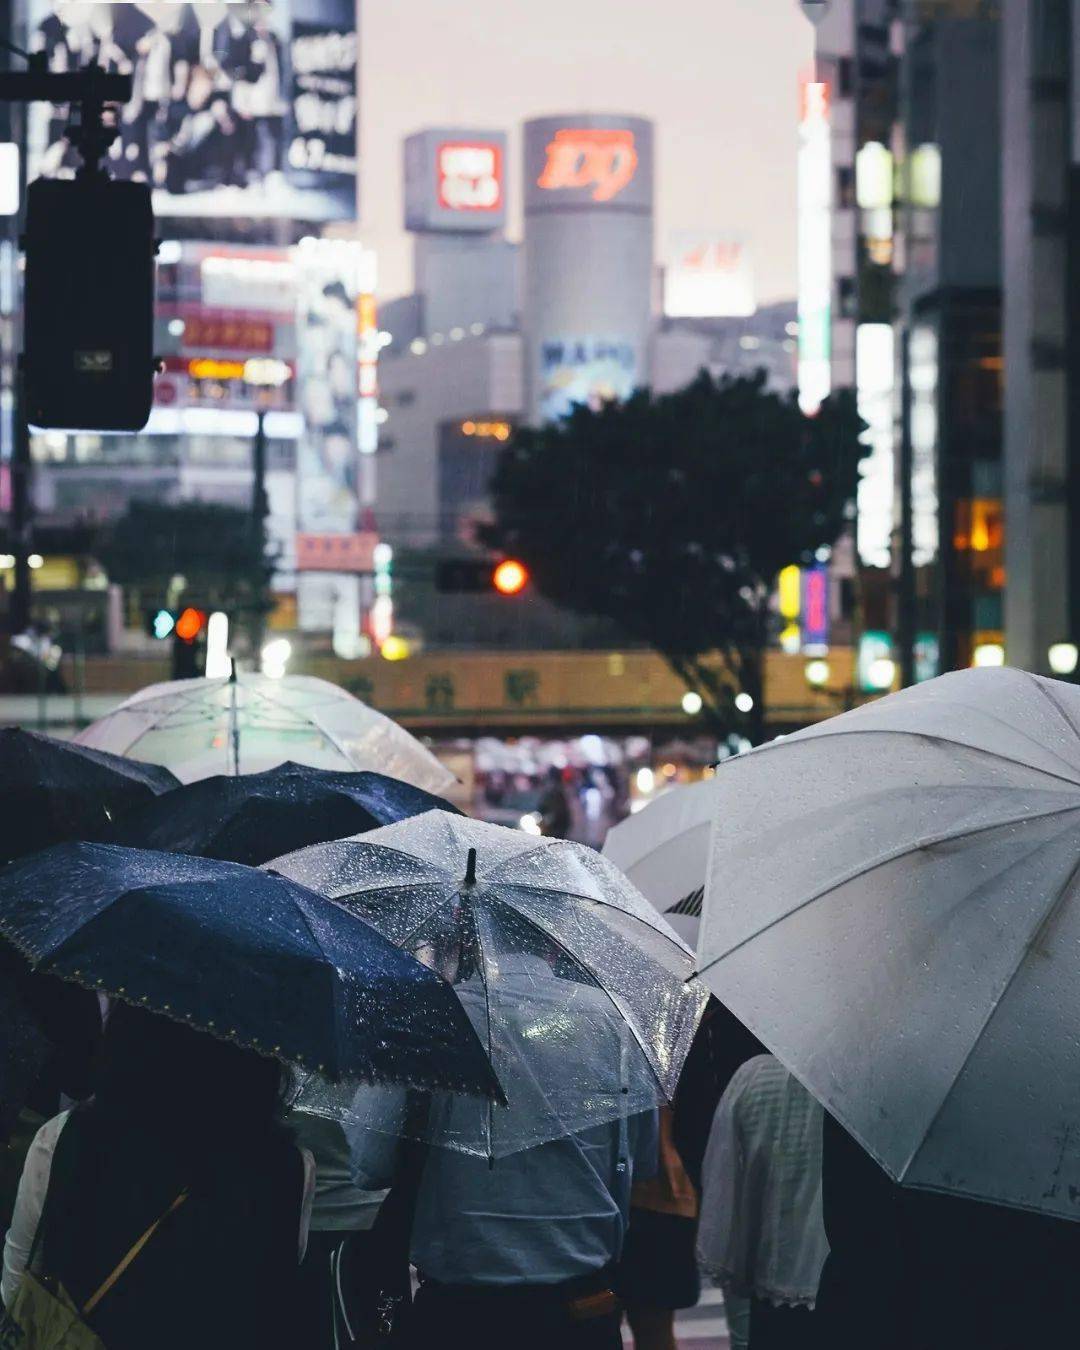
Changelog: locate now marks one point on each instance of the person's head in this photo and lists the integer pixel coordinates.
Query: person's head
(167, 1077)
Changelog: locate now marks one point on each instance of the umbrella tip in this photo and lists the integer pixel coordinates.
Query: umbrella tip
(232, 670)
(470, 868)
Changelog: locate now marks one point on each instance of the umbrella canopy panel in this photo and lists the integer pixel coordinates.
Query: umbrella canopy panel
(664, 851)
(201, 727)
(53, 790)
(574, 984)
(252, 817)
(894, 909)
(245, 955)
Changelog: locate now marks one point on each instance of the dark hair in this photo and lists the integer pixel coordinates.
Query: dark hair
(182, 1087)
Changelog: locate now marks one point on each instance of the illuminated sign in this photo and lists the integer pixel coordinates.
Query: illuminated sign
(874, 390)
(709, 277)
(498, 431)
(336, 552)
(601, 159)
(228, 334)
(815, 609)
(587, 370)
(469, 175)
(789, 592)
(814, 169)
(209, 368)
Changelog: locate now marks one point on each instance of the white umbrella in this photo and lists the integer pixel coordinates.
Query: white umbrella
(245, 725)
(664, 850)
(893, 907)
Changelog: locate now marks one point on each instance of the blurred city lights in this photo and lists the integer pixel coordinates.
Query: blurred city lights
(692, 703)
(217, 645)
(35, 561)
(988, 654)
(882, 673)
(510, 577)
(163, 624)
(395, 648)
(531, 823)
(1063, 657)
(275, 657)
(817, 673)
(189, 624)
(744, 703)
(645, 781)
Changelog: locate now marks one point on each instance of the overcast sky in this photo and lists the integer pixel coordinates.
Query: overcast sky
(719, 78)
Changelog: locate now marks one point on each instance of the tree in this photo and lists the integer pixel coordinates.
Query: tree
(673, 515)
(219, 551)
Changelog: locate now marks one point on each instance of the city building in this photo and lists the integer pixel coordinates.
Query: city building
(900, 298)
(265, 316)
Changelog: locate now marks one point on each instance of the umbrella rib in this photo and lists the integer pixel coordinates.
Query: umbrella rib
(1054, 703)
(1037, 931)
(593, 975)
(883, 861)
(1073, 781)
(672, 938)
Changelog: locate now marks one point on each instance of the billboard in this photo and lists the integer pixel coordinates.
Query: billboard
(455, 181)
(709, 276)
(588, 370)
(589, 160)
(815, 245)
(239, 109)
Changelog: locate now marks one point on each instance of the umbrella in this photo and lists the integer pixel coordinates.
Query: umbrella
(893, 907)
(576, 987)
(242, 954)
(664, 850)
(248, 723)
(254, 816)
(53, 790)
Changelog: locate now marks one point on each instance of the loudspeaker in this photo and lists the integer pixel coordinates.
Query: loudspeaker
(89, 304)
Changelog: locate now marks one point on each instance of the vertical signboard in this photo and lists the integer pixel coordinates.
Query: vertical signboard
(874, 378)
(327, 453)
(815, 245)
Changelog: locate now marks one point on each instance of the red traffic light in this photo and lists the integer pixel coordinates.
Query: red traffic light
(510, 577)
(190, 624)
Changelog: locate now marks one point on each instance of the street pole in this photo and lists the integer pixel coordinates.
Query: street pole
(905, 591)
(21, 513)
(260, 510)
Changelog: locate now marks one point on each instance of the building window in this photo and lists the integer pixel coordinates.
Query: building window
(845, 77)
(845, 187)
(406, 398)
(847, 297)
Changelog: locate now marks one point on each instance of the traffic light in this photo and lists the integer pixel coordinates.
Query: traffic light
(189, 644)
(160, 623)
(89, 325)
(476, 576)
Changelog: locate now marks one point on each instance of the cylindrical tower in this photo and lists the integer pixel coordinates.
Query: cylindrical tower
(588, 259)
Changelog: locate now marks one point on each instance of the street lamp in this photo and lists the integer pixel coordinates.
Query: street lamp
(988, 654)
(1063, 657)
(691, 703)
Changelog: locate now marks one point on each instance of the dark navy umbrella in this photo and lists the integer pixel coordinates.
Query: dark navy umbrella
(253, 817)
(51, 791)
(246, 955)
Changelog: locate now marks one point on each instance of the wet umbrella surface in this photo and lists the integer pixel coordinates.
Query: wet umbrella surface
(54, 790)
(201, 727)
(573, 982)
(253, 817)
(243, 954)
(894, 909)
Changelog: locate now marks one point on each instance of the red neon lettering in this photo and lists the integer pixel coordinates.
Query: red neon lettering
(603, 160)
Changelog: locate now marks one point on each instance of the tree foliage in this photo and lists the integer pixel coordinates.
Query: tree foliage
(673, 514)
(218, 549)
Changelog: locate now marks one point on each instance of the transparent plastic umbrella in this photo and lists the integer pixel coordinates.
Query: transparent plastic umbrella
(575, 985)
(893, 907)
(250, 723)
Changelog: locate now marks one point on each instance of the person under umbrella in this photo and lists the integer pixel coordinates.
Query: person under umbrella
(579, 991)
(893, 909)
(253, 817)
(238, 954)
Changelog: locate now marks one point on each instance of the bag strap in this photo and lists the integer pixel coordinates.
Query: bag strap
(133, 1251)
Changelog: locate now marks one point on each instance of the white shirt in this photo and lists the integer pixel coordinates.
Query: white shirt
(761, 1230)
(30, 1200)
